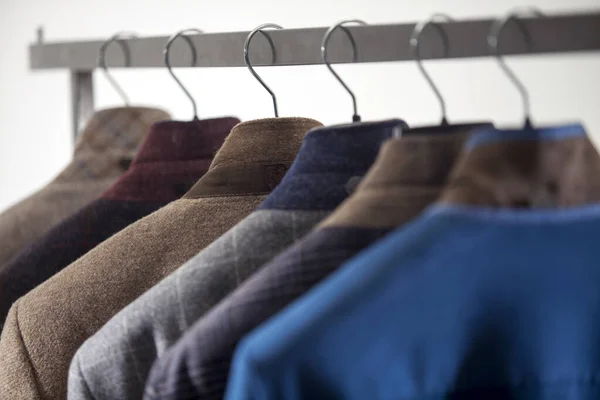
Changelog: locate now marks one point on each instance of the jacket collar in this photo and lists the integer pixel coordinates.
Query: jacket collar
(176, 141)
(407, 176)
(531, 168)
(254, 157)
(171, 159)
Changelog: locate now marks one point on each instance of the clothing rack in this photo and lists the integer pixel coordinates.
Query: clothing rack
(562, 33)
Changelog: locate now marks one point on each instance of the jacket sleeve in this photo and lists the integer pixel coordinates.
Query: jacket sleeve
(17, 375)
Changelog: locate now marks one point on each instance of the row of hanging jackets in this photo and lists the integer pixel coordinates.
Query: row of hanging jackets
(282, 259)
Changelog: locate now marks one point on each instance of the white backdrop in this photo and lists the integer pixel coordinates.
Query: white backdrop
(35, 131)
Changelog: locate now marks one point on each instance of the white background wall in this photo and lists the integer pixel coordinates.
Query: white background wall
(35, 131)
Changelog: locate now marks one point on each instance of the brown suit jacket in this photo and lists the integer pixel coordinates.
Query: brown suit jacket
(102, 154)
(45, 328)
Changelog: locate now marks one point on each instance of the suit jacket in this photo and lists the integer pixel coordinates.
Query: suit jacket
(115, 362)
(103, 153)
(409, 173)
(45, 328)
(172, 158)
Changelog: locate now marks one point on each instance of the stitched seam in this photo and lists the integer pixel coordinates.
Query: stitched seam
(34, 373)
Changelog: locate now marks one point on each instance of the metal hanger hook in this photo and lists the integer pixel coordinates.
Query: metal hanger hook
(249, 65)
(493, 41)
(415, 44)
(167, 53)
(325, 57)
(119, 38)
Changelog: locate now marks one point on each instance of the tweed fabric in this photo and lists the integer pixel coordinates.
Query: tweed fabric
(408, 174)
(104, 151)
(172, 158)
(115, 362)
(44, 328)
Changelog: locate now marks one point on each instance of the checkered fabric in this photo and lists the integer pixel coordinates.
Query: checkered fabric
(104, 152)
(203, 356)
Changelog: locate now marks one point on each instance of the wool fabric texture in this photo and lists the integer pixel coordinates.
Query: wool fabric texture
(103, 152)
(483, 299)
(45, 328)
(172, 158)
(115, 362)
(409, 174)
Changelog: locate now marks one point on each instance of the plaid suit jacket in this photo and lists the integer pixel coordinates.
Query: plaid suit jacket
(172, 158)
(408, 175)
(114, 363)
(103, 152)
